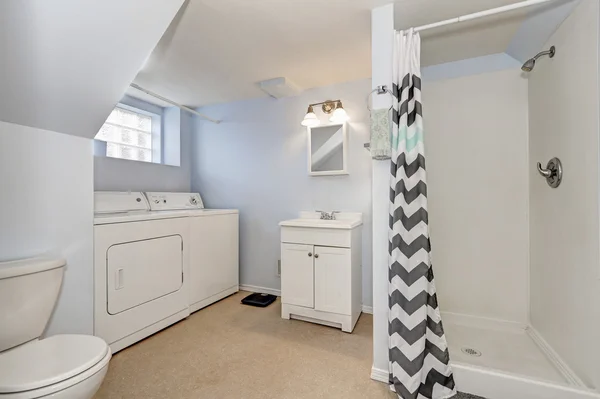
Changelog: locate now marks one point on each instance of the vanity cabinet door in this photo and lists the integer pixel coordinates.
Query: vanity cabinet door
(297, 275)
(333, 280)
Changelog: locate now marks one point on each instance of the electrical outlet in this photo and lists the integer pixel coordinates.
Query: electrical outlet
(279, 268)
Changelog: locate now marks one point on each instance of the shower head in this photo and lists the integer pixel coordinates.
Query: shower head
(530, 63)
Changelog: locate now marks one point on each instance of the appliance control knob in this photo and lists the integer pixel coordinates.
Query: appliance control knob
(193, 200)
(156, 201)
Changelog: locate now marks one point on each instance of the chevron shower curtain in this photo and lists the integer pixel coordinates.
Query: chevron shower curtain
(419, 359)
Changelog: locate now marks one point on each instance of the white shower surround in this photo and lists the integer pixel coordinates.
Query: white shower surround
(486, 381)
(565, 257)
(477, 154)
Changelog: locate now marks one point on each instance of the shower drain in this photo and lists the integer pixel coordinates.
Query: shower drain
(471, 352)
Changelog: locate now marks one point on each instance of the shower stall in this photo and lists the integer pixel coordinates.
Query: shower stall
(516, 256)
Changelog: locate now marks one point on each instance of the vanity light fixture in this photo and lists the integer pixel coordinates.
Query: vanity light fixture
(333, 107)
(310, 120)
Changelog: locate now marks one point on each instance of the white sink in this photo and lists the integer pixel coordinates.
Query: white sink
(344, 220)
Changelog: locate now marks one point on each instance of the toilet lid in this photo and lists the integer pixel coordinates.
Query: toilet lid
(49, 361)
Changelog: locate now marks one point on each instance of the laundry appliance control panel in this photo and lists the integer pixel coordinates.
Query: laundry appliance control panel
(174, 201)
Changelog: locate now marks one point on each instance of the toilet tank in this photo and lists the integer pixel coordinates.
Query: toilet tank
(28, 292)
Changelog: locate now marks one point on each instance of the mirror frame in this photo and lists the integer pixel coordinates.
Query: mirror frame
(344, 170)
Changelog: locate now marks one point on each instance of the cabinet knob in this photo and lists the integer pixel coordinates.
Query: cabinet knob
(316, 255)
(310, 254)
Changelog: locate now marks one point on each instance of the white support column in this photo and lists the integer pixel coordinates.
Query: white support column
(382, 40)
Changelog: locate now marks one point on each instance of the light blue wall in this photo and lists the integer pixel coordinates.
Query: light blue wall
(256, 160)
(171, 140)
(48, 208)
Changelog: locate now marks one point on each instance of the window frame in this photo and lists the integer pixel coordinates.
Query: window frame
(156, 132)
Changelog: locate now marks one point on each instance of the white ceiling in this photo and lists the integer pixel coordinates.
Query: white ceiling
(217, 50)
(220, 49)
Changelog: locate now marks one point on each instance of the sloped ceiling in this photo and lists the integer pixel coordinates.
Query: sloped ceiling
(66, 63)
(523, 31)
(217, 50)
(540, 26)
(490, 35)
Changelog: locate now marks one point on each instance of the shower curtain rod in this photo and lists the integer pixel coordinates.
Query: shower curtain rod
(183, 107)
(480, 14)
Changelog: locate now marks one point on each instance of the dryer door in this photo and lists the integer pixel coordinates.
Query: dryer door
(141, 271)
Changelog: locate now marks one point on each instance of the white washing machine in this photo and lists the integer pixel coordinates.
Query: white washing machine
(140, 268)
(213, 247)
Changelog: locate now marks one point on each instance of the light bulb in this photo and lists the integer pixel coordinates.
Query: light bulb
(310, 119)
(339, 115)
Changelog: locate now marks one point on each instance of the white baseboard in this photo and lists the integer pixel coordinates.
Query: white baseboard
(272, 291)
(262, 290)
(380, 375)
(555, 358)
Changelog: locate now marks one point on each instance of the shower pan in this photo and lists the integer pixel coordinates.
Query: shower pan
(498, 358)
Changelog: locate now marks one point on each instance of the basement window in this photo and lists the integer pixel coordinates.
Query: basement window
(133, 134)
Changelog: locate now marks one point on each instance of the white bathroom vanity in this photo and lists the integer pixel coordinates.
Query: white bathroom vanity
(321, 269)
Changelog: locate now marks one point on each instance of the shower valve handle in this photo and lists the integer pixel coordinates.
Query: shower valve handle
(553, 172)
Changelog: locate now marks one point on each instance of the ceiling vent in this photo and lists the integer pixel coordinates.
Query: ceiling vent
(279, 87)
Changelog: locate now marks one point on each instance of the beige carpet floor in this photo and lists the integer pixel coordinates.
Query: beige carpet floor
(229, 350)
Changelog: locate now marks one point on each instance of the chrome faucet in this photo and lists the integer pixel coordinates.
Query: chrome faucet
(327, 215)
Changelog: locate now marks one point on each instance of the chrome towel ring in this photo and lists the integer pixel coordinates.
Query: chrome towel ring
(379, 90)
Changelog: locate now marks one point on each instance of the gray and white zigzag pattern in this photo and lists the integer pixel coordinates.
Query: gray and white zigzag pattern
(418, 351)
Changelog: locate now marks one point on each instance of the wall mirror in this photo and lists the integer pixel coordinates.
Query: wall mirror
(328, 150)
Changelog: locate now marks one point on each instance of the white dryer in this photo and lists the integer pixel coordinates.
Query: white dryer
(140, 268)
(213, 246)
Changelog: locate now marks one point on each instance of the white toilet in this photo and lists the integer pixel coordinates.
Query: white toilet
(58, 367)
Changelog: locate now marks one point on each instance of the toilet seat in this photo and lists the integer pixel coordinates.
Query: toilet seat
(42, 367)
